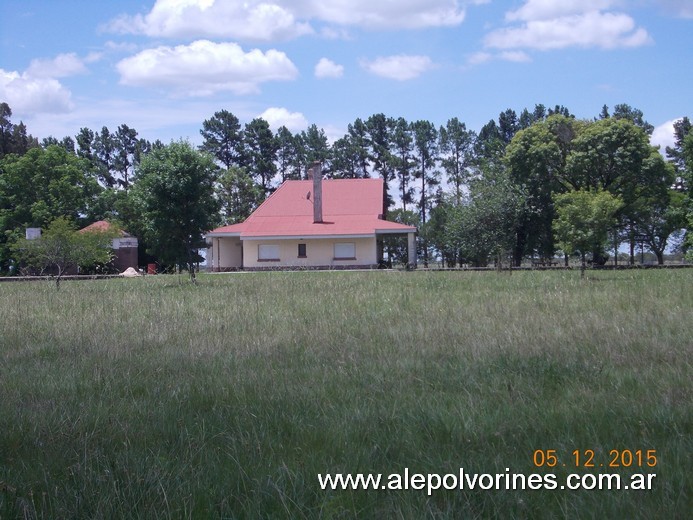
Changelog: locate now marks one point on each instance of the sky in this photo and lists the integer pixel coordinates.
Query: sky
(164, 66)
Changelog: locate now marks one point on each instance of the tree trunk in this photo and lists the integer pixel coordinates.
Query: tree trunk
(583, 266)
(191, 264)
(615, 249)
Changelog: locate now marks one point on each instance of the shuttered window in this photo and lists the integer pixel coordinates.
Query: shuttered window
(267, 252)
(344, 251)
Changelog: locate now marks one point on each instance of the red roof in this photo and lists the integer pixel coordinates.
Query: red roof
(350, 207)
(101, 226)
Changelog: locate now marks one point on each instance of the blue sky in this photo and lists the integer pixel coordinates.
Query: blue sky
(164, 66)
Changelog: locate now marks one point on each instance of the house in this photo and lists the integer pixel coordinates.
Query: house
(328, 224)
(124, 246)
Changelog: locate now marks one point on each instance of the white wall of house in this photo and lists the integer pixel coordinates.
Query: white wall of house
(225, 253)
(319, 252)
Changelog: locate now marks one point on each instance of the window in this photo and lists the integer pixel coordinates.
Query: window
(344, 251)
(302, 249)
(268, 253)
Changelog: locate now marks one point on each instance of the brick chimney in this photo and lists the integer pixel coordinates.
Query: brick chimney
(316, 173)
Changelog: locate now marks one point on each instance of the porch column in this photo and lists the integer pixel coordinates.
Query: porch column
(411, 250)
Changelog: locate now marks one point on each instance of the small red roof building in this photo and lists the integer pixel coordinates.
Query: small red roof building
(124, 246)
(332, 223)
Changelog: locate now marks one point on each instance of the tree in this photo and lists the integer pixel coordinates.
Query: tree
(174, 190)
(508, 125)
(456, 144)
(14, 139)
(489, 145)
(583, 220)
(396, 246)
(425, 157)
(484, 225)
(39, 187)
(316, 147)
(682, 128)
(287, 155)
(536, 159)
(379, 129)
(238, 194)
(61, 248)
(105, 153)
(358, 136)
(625, 111)
(687, 149)
(662, 218)
(260, 153)
(403, 146)
(616, 155)
(223, 138)
(129, 150)
(345, 159)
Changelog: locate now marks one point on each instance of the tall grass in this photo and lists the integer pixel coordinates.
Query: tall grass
(153, 398)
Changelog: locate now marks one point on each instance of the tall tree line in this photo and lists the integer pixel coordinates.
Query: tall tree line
(472, 194)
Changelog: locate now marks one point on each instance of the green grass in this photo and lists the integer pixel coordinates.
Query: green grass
(153, 398)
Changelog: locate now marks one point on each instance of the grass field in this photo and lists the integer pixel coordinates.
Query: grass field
(153, 398)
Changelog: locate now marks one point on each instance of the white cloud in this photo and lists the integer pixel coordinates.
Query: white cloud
(61, 66)
(328, 69)
(401, 67)
(278, 117)
(663, 135)
(590, 29)
(251, 20)
(27, 94)
(681, 8)
(552, 9)
(515, 56)
(271, 20)
(479, 58)
(384, 14)
(203, 68)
